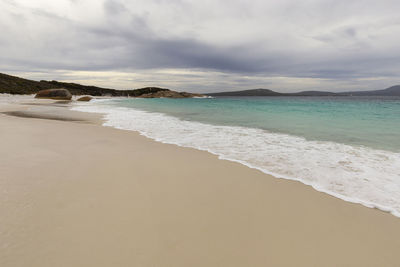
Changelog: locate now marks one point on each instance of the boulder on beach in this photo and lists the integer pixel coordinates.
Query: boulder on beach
(85, 98)
(58, 94)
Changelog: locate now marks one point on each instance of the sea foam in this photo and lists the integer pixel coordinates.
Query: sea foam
(353, 173)
(10, 99)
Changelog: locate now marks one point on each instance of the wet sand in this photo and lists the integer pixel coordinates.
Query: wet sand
(74, 193)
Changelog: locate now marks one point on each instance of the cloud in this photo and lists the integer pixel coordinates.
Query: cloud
(253, 44)
(114, 7)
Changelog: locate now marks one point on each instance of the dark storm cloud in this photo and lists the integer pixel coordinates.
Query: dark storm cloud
(190, 53)
(132, 45)
(320, 39)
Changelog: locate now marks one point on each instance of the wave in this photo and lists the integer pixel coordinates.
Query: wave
(356, 174)
(9, 98)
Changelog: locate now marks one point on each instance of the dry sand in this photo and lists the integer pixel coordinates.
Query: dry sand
(74, 193)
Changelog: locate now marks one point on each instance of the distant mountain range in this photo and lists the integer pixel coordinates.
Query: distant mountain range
(391, 91)
(15, 85)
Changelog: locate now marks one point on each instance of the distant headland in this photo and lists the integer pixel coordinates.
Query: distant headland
(391, 91)
(15, 85)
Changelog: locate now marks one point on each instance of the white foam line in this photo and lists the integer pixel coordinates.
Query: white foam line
(392, 186)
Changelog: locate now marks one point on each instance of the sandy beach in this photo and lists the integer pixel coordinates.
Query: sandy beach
(75, 193)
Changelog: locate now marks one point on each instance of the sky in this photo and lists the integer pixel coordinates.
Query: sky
(204, 46)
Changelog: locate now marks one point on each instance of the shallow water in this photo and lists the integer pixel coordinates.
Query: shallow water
(345, 146)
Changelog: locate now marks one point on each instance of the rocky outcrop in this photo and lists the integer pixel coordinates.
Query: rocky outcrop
(58, 94)
(85, 98)
(169, 94)
(15, 85)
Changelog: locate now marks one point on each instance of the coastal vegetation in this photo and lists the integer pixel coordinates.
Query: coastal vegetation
(15, 85)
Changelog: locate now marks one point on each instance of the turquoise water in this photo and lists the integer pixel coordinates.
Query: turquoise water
(348, 147)
(367, 121)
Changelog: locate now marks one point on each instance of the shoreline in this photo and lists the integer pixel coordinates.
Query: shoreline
(93, 195)
(315, 185)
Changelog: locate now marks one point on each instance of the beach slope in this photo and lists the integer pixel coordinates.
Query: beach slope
(74, 193)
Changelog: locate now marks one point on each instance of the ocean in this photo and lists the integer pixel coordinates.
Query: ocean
(348, 147)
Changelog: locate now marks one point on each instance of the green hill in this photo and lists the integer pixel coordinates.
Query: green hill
(15, 85)
(391, 91)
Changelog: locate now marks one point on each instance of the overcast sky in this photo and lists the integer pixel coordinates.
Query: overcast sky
(204, 46)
